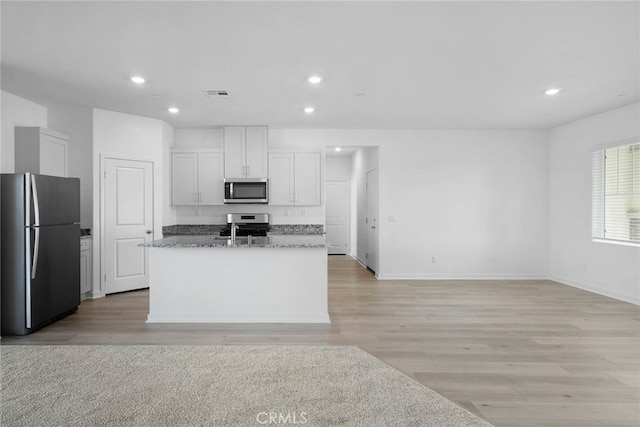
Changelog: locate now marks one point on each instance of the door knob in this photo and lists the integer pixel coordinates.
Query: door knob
(148, 231)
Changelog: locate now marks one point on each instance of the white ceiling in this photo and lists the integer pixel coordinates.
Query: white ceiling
(420, 64)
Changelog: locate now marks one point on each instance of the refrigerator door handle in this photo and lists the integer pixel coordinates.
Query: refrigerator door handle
(36, 249)
(36, 203)
(36, 223)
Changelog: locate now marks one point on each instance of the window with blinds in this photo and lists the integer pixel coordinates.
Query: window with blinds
(616, 193)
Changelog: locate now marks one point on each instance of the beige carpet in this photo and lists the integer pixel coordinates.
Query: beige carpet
(205, 386)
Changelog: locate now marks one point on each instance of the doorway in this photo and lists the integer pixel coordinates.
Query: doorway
(358, 168)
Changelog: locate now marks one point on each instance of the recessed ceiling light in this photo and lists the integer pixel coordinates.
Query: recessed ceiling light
(309, 110)
(156, 95)
(137, 79)
(552, 91)
(338, 149)
(623, 94)
(174, 110)
(360, 95)
(315, 79)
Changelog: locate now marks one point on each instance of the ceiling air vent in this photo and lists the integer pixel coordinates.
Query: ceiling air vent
(216, 93)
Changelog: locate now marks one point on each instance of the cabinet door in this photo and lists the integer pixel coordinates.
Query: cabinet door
(234, 152)
(85, 272)
(211, 178)
(281, 179)
(53, 156)
(307, 179)
(256, 151)
(184, 179)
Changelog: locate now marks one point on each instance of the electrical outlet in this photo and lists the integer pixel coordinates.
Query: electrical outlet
(392, 218)
(584, 267)
(433, 260)
(304, 212)
(286, 212)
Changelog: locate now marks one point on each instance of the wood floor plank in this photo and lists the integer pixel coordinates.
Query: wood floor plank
(517, 353)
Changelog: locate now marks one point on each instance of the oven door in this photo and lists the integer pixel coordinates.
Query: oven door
(246, 191)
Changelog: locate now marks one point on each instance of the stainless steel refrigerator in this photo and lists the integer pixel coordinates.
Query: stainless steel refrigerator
(40, 250)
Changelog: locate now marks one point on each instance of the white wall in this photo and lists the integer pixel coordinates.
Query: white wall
(168, 139)
(576, 260)
(199, 138)
(477, 200)
(127, 136)
(77, 123)
(17, 111)
(338, 167)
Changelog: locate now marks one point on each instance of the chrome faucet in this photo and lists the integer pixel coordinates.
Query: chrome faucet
(234, 227)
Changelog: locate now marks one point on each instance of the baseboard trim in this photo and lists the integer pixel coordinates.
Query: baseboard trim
(596, 290)
(359, 261)
(459, 277)
(238, 318)
(94, 295)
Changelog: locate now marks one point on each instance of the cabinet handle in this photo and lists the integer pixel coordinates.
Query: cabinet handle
(195, 197)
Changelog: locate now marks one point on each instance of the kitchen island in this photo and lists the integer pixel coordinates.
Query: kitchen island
(208, 279)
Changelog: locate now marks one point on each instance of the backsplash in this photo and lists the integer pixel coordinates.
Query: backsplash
(296, 229)
(184, 230)
(196, 229)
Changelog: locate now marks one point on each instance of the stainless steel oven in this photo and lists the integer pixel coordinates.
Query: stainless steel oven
(246, 191)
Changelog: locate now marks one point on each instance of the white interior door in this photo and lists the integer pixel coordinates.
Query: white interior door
(128, 213)
(371, 256)
(336, 217)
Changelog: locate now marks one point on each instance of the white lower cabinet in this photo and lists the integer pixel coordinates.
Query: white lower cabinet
(294, 179)
(86, 278)
(197, 178)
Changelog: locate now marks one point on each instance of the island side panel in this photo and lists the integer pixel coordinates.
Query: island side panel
(238, 285)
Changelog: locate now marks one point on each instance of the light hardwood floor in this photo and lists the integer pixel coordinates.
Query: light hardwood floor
(517, 353)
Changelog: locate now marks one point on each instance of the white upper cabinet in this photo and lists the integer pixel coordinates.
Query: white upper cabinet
(197, 178)
(234, 152)
(211, 178)
(184, 178)
(245, 151)
(307, 179)
(294, 179)
(41, 151)
(281, 178)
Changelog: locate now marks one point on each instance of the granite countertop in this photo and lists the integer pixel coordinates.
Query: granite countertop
(213, 241)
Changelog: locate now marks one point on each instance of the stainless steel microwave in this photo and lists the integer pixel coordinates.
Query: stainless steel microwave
(246, 190)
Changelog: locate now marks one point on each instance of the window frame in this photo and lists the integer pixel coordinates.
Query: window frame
(601, 226)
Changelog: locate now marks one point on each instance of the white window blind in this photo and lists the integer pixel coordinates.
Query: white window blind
(616, 193)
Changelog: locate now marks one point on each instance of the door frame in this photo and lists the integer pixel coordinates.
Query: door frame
(347, 208)
(103, 210)
(376, 206)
